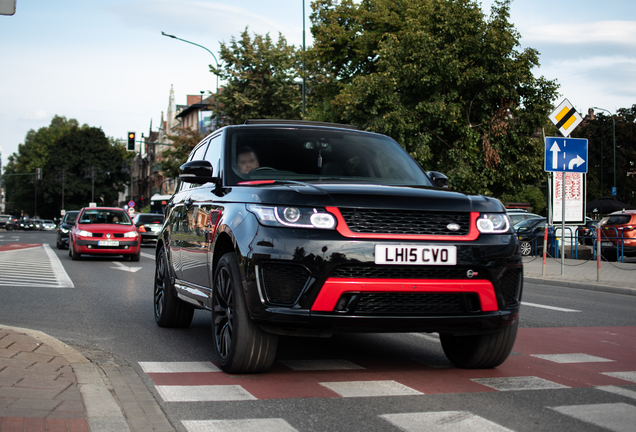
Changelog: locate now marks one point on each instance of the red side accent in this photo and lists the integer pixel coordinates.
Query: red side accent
(256, 182)
(344, 230)
(333, 289)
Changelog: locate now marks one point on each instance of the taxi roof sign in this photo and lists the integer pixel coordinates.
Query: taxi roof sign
(565, 118)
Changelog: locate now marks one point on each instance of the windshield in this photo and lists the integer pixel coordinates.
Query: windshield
(319, 155)
(100, 216)
(527, 224)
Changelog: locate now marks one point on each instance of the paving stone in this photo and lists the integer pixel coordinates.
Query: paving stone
(27, 393)
(36, 404)
(72, 393)
(39, 383)
(29, 356)
(76, 406)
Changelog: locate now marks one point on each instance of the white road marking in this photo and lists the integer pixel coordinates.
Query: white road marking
(445, 421)
(618, 390)
(33, 267)
(120, 266)
(147, 255)
(63, 280)
(549, 307)
(245, 425)
(318, 365)
(205, 393)
(370, 388)
(178, 367)
(519, 383)
(627, 376)
(617, 417)
(571, 358)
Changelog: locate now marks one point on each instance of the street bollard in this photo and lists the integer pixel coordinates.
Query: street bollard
(598, 254)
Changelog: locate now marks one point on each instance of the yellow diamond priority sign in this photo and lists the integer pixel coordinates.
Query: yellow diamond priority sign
(565, 118)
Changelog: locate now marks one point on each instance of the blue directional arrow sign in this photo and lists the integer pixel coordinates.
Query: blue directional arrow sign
(565, 155)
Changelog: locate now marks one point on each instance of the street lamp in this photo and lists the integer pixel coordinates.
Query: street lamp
(614, 136)
(216, 117)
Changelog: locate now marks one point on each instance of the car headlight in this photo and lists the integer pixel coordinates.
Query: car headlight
(83, 233)
(493, 223)
(64, 230)
(295, 217)
(130, 234)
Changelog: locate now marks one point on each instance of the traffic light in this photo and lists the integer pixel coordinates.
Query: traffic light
(131, 141)
(38, 173)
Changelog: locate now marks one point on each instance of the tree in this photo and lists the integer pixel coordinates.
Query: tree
(65, 151)
(183, 142)
(439, 77)
(260, 78)
(599, 132)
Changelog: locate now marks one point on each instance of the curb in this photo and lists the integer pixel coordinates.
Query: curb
(591, 286)
(102, 411)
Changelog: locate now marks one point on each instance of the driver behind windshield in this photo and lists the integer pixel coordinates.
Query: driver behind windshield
(246, 160)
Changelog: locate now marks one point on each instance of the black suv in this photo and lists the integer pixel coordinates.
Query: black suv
(301, 228)
(65, 227)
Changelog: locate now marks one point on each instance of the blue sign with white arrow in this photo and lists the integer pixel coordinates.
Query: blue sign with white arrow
(565, 155)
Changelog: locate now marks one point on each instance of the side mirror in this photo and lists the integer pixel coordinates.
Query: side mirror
(197, 172)
(438, 179)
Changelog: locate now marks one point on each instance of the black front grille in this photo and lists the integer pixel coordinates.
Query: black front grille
(116, 235)
(406, 272)
(510, 284)
(413, 304)
(371, 221)
(283, 283)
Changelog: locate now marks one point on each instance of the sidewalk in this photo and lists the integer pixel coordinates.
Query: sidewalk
(615, 277)
(45, 385)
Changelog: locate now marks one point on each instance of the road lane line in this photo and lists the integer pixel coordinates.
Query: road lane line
(63, 280)
(549, 307)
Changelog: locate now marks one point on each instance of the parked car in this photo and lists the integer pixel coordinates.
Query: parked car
(30, 224)
(104, 231)
(618, 234)
(8, 222)
(530, 233)
(149, 226)
(308, 229)
(48, 225)
(518, 215)
(65, 227)
(587, 233)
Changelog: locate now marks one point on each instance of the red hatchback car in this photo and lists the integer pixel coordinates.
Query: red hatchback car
(104, 231)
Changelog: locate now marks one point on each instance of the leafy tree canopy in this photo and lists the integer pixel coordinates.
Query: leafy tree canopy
(65, 152)
(260, 76)
(441, 78)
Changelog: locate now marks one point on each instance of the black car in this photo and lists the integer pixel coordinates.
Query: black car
(149, 226)
(308, 229)
(530, 233)
(9, 223)
(587, 233)
(65, 227)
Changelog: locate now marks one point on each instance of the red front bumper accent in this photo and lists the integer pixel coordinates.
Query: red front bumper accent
(333, 289)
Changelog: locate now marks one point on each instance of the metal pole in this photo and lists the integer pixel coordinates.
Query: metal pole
(563, 225)
(303, 59)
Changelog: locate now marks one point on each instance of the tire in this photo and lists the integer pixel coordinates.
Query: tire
(239, 344)
(135, 257)
(59, 245)
(169, 310)
(71, 251)
(526, 248)
(480, 351)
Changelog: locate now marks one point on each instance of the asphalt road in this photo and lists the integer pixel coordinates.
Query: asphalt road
(573, 367)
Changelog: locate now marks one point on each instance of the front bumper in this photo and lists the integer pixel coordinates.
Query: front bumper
(92, 247)
(300, 281)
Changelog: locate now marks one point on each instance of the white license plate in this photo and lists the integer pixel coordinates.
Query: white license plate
(415, 255)
(108, 243)
(607, 244)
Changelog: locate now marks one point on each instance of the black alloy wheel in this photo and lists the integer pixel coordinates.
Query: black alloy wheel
(169, 310)
(240, 345)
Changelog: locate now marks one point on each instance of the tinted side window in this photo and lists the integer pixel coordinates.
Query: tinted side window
(199, 152)
(214, 153)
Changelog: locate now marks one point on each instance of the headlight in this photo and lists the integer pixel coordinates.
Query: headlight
(296, 217)
(493, 223)
(130, 234)
(64, 230)
(83, 233)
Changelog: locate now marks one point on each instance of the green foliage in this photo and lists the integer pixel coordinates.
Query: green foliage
(260, 79)
(442, 79)
(65, 151)
(182, 144)
(535, 196)
(600, 135)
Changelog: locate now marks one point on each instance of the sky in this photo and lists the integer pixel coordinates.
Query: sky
(106, 64)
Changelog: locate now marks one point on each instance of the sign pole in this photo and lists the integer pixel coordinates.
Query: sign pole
(563, 224)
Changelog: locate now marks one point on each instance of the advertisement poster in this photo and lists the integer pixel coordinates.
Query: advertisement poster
(574, 197)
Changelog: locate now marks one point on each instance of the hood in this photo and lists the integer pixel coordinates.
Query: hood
(365, 196)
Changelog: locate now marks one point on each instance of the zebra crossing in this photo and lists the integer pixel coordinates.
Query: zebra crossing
(584, 360)
(32, 265)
